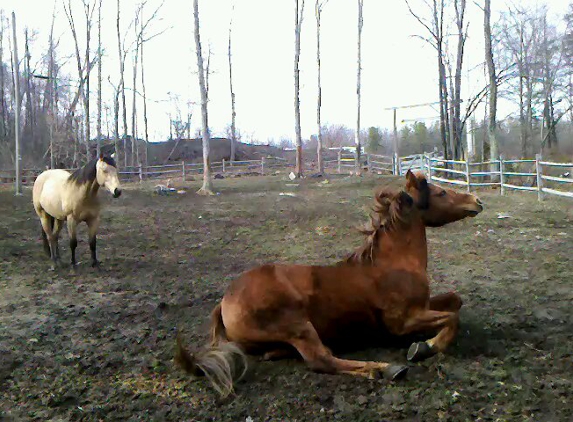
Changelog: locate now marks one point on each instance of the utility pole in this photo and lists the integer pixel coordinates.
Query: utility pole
(18, 158)
(394, 110)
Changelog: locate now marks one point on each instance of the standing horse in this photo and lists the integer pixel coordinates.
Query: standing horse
(276, 307)
(59, 196)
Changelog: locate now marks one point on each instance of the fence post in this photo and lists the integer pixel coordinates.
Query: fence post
(399, 165)
(468, 176)
(262, 166)
(140, 172)
(501, 178)
(183, 175)
(339, 160)
(538, 172)
(368, 164)
(429, 161)
(223, 165)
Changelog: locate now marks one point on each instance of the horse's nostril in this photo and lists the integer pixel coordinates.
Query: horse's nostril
(478, 201)
(116, 193)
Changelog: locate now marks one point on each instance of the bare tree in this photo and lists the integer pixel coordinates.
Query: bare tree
(99, 64)
(318, 13)
(122, 52)
(462, 30)
(435, 28)
(134, 149)
(358, 76)
(3, 104)
(299, 9)
(207, 188)
(233, 112)
(492, 79)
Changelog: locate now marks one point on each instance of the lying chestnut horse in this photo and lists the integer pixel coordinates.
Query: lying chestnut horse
(383, 288)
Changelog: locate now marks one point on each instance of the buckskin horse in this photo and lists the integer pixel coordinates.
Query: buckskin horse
(382, 288)
(59, 196)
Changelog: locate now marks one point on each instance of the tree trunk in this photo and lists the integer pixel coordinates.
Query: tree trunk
(3, 102)
(233, 112)
(145, 125)
(134, 149)
(492, 80)
(298, 134)
(88, 71)
(357, 164)
(99, 64)
(121, 86)
(318, 11)
(207, 188)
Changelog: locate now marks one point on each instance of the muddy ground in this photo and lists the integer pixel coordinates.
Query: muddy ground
(98, 345)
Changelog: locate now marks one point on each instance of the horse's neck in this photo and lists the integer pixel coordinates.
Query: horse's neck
(84, 194)
(403, 247)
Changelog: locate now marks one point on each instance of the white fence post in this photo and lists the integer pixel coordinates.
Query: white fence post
(395, 164)
(140, 172)
(468, 177)
(501, 178)
(183, 175)
(262, 166)
(339, 160)
(223, 165)
(429, 160)
(538, 173)
(368, 164)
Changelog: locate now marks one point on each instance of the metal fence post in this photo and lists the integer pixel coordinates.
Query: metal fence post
(140, 172)
(501, 178)
(223, 165)
(538, 173)
(262, 166)
(429, 161)
(183, 175)
(339, 160)
(468, 176)
(368, 164)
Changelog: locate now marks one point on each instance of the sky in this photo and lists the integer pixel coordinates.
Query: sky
(398, 68)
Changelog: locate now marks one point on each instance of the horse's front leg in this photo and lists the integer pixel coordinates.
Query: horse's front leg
(72, 231)
(93, 225)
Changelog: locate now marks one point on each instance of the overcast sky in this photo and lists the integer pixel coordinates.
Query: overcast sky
(398, 68)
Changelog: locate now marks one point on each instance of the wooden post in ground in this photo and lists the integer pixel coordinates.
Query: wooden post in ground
(262, 166)
(183, 171)
(223, 165)
(140, 173)
(339, 160)
(538, 173)
(468, 176)
(501, 178)
(429, 164)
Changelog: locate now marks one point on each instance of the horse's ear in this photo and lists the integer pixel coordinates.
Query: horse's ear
(411, 179)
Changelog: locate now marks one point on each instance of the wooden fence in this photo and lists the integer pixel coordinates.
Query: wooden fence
(535, 175)
(532, 175)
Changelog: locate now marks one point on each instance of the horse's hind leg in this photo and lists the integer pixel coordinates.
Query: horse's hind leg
(320, 359)
(50, 237)
(72, 231)
(58, 224)
(93, 225)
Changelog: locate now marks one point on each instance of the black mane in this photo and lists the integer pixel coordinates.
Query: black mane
(87, 173)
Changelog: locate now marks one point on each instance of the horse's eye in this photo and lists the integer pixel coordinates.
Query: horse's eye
(442, 193)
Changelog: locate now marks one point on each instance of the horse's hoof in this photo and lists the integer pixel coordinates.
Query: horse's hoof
(419, 351)
(395, 372)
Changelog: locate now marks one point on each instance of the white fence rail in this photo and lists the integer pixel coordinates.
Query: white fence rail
(529, 175)
(533, 174)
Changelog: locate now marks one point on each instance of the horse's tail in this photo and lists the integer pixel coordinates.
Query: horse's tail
(224, 363)
(45, 236)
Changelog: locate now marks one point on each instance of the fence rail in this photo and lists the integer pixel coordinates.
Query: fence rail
(536, 175)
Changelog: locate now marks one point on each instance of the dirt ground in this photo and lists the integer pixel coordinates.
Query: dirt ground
(98, 345)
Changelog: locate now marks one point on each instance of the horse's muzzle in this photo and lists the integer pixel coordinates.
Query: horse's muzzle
(116, 193)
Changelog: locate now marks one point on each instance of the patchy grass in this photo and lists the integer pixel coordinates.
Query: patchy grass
(98, 345)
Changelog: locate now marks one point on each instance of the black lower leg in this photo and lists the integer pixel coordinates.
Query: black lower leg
(93, 251)
(73, 246)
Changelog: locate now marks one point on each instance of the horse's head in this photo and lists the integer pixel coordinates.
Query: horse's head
(439, 206)
(106, 175)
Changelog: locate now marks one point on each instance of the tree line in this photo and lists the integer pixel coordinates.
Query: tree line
(528, 60)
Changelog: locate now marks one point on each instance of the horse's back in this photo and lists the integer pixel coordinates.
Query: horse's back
(47, 192)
